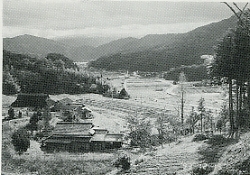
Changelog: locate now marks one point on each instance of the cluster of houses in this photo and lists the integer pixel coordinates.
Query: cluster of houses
(75, 130)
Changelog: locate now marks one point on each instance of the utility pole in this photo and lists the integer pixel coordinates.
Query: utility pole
(182, 78)
(182, 106)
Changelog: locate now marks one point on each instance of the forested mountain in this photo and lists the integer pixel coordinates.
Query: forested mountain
(181, 49)
(150, 53)
(40, 47)
(78, 41)
(75, 48)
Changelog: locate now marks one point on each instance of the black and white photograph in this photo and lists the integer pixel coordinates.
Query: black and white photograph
(125, 87)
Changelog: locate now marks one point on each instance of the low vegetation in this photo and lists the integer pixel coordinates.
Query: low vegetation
(214, 148)
(123, 161)
(202, 169)
(199, 137)
(235, 159)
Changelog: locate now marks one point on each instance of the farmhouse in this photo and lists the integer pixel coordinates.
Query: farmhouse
(81, 137)
(32, 100)
(64, 104)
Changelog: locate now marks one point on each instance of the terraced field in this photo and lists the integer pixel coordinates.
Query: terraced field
(175, 158)
(124, 107)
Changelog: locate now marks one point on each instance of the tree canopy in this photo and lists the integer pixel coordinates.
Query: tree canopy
(51, 75)
(232, 61)
(20, 141)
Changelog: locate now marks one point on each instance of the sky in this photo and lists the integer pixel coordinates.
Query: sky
(62, 18)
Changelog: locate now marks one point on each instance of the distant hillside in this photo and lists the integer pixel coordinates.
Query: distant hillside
(192, 73)
(75, 48)
(151, 41)
(40, 47)
(32, 45)
(172, 52)
(114, 46)
(78, 41)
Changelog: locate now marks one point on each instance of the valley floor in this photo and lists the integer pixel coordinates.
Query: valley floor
(150, 98)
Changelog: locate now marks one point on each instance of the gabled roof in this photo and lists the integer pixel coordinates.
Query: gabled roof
(65, 106)
(66, 100)
(32, 100)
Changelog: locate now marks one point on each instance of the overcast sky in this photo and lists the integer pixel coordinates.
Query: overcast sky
(56, 18)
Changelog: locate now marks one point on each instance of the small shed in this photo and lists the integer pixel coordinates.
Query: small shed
(106, 141)
(124, 94)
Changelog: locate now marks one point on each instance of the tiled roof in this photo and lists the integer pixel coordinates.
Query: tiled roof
(70, 127)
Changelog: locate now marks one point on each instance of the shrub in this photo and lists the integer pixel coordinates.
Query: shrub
(123, 161)
(225, 171)
(20, 140)
(155, 140)
(39, 135)
(219, 140)
(199, 137)
(137, 161)
(202, 169)
(245, 166)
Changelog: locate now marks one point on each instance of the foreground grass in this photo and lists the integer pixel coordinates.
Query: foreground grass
(55, 165)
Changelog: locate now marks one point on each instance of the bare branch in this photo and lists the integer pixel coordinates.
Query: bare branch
(232, 9)
(242, 11)
(239, 17)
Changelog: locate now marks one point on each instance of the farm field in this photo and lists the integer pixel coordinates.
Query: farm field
(150, 98)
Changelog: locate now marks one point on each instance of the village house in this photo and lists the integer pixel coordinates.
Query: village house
(69, 108)
(80, 137)
(33, 100)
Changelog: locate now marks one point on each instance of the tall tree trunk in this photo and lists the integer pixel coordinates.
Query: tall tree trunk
(201, 122)
(238, 127)
(237, 107)
(230, 108)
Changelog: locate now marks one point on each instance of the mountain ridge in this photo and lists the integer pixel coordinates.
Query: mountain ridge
(185, 49)
(153, 48)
